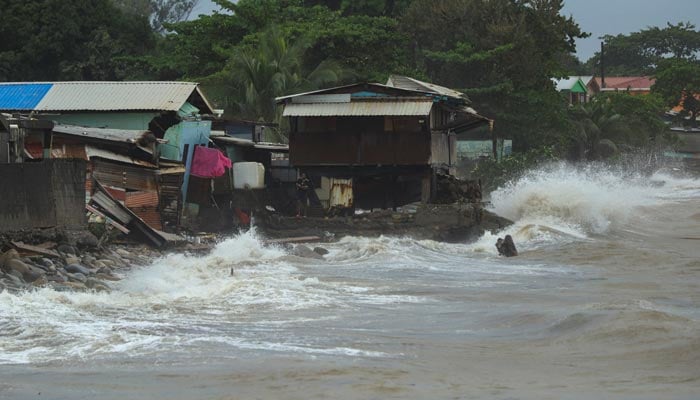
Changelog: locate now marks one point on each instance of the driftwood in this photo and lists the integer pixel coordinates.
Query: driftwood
(34, 249)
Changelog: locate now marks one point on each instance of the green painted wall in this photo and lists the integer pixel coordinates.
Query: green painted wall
(185, 133)
(113, 120)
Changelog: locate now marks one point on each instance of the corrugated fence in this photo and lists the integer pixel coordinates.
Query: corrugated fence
(43, 194)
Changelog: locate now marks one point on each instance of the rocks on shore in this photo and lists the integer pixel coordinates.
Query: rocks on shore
(304, 251)
(506, 247)
(76, 265)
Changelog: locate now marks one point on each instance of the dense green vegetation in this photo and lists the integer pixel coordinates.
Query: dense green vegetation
(502, 53)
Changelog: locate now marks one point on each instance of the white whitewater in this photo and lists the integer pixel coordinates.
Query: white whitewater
(602, 297)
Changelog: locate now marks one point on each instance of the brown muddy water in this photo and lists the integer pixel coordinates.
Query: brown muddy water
(603, 302)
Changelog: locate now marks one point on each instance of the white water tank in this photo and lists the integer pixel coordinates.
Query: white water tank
(248, 175)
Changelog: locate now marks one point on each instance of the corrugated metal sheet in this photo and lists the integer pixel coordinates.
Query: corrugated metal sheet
(277, 147)
(351, 89)
(145, 206)
(124, 176)
(405, 82)
(94, 152)
(67, 150)
(22, 96)
(142, 199)
(150, 216)
(322, 98)
(113, 96)
(117, 193)
(102, 201)
(35, 149)
(359, 109)
(341, 193)
(114, 135)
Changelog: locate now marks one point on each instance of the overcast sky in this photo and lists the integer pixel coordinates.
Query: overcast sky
(601, 17)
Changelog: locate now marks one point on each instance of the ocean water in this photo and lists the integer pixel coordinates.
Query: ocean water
(603, 302)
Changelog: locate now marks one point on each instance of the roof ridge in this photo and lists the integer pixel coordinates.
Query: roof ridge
(101, 82)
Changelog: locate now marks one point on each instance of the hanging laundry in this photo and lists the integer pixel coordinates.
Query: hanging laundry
(209, 163)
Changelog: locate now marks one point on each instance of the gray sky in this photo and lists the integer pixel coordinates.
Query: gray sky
(601, 17)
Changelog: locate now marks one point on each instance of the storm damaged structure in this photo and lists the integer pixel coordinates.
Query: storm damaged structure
(44, 194)
(137, 141)
(372, 145)
(171, 111)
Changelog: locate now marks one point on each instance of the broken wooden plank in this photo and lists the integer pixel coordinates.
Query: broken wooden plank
(108, 219)
(34, 249)
(47, 245)
(298, 239)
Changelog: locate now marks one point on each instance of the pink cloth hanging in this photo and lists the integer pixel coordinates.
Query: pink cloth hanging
(209, 163)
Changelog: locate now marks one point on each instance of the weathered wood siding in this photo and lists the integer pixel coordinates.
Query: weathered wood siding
(361, 141)
(43, 194)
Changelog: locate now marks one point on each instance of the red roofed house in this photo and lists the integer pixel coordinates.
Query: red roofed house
(635, 85)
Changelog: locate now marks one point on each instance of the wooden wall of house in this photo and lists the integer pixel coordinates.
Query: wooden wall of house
(440, 149)
(360, 141)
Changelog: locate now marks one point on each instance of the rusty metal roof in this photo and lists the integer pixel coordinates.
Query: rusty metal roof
(106, 96)
(359, 108)
(127, 176)
(142, 199)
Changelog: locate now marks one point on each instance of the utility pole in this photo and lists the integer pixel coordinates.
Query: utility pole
(602, 65)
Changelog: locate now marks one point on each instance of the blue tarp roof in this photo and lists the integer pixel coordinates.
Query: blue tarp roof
(22, 96)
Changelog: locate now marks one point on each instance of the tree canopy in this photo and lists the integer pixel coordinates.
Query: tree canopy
(68, 40)
(678, 84)
(640, 53)
(501, 53)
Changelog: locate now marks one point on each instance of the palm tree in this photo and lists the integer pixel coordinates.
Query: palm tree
(254, 77)
(599, 123)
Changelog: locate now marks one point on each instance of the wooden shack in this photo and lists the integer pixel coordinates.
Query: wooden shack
(370, 145)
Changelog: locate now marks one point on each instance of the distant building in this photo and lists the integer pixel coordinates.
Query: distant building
(574, 88)
(634, 85)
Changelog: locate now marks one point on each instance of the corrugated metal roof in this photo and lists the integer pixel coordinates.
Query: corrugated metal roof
(405, 82)
(323, 98)
(22, 96)
(113, 135)
(281, 147)
(112, 96)
(92, 151)
(358, 109)
(368, 85)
